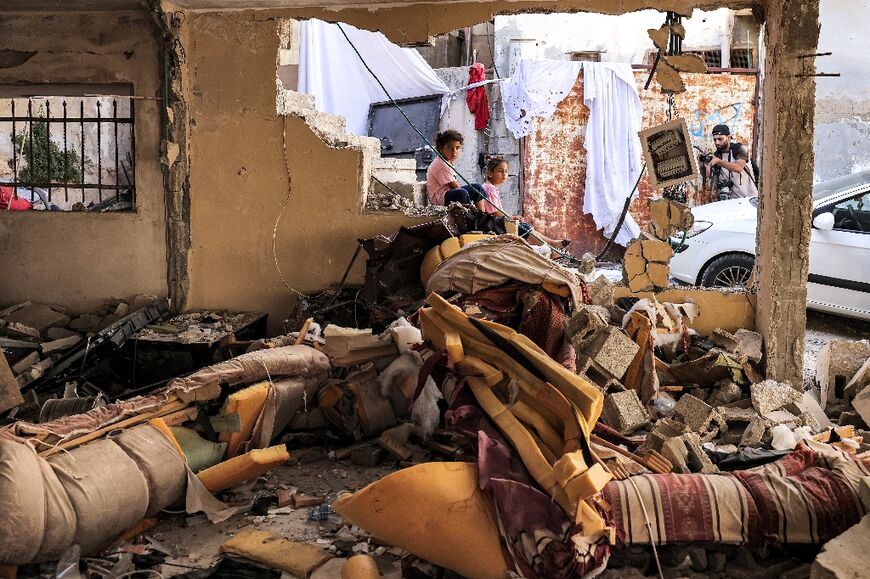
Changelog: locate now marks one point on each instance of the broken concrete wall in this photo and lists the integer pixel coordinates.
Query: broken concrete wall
(80, 259)
(842, 131)
(555, 160)
(239, 183)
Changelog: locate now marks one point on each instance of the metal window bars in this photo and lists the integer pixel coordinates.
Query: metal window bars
(84, 154)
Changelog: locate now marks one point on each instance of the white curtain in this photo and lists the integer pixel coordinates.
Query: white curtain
(613, 153)
(330, 70)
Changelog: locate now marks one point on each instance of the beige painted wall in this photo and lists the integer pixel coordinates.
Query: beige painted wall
(238, 179)
(79, 259)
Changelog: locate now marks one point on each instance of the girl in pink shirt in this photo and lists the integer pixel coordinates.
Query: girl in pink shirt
(496, 174)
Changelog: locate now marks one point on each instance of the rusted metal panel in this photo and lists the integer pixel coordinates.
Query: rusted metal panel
(554, 165)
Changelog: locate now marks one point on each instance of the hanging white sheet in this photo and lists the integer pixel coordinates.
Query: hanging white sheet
(535, 89)
(613, 153)
(330, 70)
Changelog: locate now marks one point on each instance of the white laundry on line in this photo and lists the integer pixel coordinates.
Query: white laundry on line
(330, 70)
(613, 153)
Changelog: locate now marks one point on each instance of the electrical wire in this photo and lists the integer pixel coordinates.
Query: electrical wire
(533, 233)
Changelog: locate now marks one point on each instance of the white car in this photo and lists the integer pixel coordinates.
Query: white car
(720, 249)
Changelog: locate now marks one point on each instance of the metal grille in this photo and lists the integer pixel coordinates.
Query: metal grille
(69, 153)
(742, 58)
(713, 58)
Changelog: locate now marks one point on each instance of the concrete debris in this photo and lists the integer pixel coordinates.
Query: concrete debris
(601, 291)
(624, 412)
(725, 394)
(586, 322)
(694, 413)
(770, 395)
(668, 217)
(645, 265)
(836, 365)
(754, 432)
(751, 344)
(725, 340)
(612, 350)
(847, 556)
(861, 404)
(860, 380)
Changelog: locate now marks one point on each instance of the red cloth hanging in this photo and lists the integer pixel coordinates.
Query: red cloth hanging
(478, 101)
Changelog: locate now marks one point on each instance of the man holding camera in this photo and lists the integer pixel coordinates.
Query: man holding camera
(729, 168)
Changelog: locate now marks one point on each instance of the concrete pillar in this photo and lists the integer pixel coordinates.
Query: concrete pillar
(785, 210)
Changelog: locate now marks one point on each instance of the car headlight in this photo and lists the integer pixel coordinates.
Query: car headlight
(697, 229)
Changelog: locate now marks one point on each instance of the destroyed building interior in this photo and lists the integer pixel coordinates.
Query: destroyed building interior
(240, 338)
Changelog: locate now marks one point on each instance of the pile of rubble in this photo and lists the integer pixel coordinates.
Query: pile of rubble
(551, 419)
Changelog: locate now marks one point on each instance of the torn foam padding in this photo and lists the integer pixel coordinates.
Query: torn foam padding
(407, 509)
(250, 368)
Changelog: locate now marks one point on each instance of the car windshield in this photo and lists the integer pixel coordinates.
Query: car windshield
(822, 190)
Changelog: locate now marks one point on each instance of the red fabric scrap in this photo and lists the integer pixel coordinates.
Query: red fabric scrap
(478, 101)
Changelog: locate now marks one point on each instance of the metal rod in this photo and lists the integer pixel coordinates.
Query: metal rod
(99, 152)
(815, 55)
(48, 146)
(117, 171)
(805, 74)
(132, 179)
(14, 151)
(82, 126)
(30, 114)
(120, 121)
(65, 157)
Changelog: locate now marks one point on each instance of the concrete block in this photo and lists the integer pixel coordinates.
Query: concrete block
(38, 316)
(674, 449)
(694, 412)
(838, 361)
(697, 459)
(665, 429)
(624, 412)
(845, 556)
(601, 291)
(771, 395)
(19, 330)
(61, 344)
(861, 404)
(754, 432)
(657, 251)
(668, 217)
(25, 363)
(612, 350)
(725, 340)
(725, 394)
(659, 274)
(860, 380)
(586, 322)
(751, 344)
(59, 333)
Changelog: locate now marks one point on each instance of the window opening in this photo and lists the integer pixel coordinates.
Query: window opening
(69, 153)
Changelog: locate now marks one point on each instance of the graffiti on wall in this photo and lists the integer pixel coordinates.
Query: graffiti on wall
(555, 166)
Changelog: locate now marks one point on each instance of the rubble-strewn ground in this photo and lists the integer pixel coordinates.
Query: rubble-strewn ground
(196, 543)
(821, 329)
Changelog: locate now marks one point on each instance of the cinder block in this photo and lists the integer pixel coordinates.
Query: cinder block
(624, 412)
(838, 361)
(697, 459)
(694, 412)
(771, 395)
(612, 350)
(754, 432)
(664, 429)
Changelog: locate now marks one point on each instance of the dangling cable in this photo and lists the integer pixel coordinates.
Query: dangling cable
(436, 151)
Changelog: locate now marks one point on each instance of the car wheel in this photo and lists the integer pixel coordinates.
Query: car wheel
(729, 270)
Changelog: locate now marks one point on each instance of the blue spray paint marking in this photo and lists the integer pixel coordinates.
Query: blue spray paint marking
(702, 121)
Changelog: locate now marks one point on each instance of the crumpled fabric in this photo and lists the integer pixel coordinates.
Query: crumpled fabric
(613, 153)
(536, 530)
(535, 89)
(477, 99)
